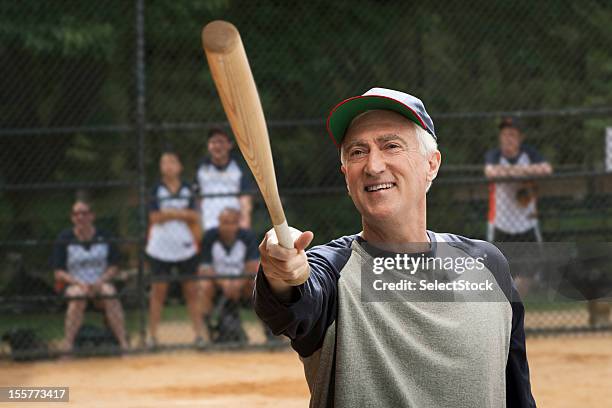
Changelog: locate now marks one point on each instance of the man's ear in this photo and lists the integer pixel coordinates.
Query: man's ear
(433, 165)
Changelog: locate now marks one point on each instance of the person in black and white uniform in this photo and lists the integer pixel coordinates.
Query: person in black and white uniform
(174, 221)
(220, 174)
(228, 251)
(512, 204)
(513, 215)
(85, 259)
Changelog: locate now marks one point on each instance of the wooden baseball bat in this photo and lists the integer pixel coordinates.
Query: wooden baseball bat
(232, 75)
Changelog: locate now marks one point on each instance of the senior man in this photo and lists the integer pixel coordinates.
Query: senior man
(426, 349)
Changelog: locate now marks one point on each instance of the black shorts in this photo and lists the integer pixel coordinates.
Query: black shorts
(163, 269)
(524, 259)
(527, 236)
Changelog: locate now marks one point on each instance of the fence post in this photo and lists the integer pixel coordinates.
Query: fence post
(141, 133)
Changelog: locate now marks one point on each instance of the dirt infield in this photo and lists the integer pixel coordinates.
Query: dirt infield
(566, 372)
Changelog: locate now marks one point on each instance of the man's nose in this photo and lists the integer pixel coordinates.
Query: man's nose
(376, 163)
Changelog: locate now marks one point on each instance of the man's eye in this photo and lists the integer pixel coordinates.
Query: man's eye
(393, 146)
(356, 153)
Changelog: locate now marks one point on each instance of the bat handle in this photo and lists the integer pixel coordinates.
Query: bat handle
(283, 234)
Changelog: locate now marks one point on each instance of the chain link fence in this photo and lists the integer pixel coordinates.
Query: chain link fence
(93, 94)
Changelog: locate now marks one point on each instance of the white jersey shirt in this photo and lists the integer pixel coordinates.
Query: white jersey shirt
(171, 241)
(227, 182)
(86, 261)
(506, 212)
(229, 260)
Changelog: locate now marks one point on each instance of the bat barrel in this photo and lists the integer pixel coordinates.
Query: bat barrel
(220, 37)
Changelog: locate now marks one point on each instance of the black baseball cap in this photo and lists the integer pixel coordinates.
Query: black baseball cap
(511, 122)
(217, 131)
(409, 106)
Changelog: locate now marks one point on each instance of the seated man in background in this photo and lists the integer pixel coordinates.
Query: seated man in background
(227, 251)
(86, 261)
(173, 236)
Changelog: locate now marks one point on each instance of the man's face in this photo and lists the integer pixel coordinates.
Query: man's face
(81, 215)
(219, 147)
(385, 172)
(170, 165)
(229, 223)
(510, 141)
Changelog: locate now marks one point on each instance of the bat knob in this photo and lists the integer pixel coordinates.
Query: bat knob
(220, 36)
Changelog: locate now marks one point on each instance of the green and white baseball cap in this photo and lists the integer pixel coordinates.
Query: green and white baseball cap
(409, 106)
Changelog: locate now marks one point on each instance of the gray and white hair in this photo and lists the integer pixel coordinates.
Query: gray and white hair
(427, 146)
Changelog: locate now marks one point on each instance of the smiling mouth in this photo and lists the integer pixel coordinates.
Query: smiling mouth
(379, 187)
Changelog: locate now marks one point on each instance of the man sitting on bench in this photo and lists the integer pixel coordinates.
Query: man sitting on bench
(227, 251)
(85, 261)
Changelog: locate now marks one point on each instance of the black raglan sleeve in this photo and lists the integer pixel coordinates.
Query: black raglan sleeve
(492, 156)
(535, 157)
(518, 386)
(58, 257)
(312, 310)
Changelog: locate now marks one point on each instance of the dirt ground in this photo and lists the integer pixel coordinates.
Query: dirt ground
(566, 372)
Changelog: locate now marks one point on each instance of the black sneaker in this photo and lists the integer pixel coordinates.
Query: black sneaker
(230, 328)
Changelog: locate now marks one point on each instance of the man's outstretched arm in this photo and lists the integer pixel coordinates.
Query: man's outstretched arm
(303, 312)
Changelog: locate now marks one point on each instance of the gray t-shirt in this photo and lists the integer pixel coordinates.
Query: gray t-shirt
(398, 352)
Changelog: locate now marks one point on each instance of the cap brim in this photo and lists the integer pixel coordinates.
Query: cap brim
(342, 114)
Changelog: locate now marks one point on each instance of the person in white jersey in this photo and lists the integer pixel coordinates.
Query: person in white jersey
(512, 205)
(228, 252)
(221, 182)
(85, 261)
(171, 243)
